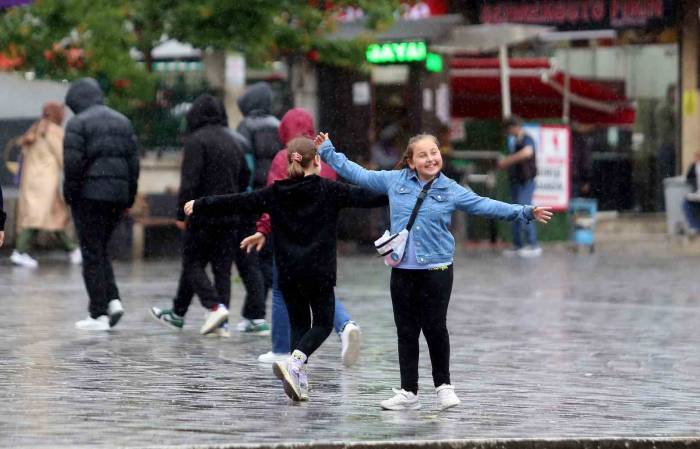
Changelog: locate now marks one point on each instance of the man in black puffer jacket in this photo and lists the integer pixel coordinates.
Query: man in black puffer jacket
(101, 170)
(261, 129)
(213, 164)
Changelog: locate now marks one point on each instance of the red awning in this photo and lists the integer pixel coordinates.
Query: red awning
(536, 93)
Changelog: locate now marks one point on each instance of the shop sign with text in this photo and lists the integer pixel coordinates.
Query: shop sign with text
(581, 14)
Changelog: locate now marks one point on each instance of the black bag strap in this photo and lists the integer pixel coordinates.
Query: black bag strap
(421, 196)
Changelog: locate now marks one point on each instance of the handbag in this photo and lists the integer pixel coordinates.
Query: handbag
(392, 246)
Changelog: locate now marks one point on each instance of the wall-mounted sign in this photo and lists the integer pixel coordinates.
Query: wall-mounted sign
(403, 53)
(580, 14)
(396, 52)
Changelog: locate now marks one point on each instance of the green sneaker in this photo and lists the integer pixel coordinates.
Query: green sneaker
(255, 327)
(168, 317)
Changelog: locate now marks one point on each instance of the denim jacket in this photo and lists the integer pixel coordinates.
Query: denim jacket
(434, 242)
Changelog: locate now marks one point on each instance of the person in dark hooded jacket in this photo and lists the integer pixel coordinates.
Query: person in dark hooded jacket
(101, 170)
(213, 164)
(261, 129)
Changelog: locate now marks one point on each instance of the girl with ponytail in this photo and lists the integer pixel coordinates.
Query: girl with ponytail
(304, 212)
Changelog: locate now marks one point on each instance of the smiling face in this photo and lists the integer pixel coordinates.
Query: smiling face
(426, 159)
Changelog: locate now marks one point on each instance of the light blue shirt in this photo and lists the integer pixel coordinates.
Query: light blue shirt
(433, 244)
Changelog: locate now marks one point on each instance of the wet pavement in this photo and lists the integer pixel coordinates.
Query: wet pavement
(565, 346)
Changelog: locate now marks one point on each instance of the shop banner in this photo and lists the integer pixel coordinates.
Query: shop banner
(553, 152)
(568, 15)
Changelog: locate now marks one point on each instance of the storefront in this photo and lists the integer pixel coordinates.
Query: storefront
(620, 60)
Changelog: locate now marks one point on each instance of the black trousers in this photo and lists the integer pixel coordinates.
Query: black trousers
(94, 222)
(303, 299)
(420, 299)
(217, 246)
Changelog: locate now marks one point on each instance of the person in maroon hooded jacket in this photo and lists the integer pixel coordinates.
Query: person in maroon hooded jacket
(298, 122)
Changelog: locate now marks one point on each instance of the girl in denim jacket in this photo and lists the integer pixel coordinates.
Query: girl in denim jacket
(421, 284)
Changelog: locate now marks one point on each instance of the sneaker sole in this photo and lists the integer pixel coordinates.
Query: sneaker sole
(397, 408)
(115, 317)
(353, 350)
(208, 328)
(163, 322)
(445, 407)
(282, 374)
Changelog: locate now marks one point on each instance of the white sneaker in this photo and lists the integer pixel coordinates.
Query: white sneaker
(23, 260)
(350, 339)
(288, 372)
(222, 331)
(115, 310)
(214, 319)
(530, 252)
(101, 323)
(446, 397)
(272, 357)
(75, 257)
(403, 400)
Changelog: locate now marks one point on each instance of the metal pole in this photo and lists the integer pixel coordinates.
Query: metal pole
(505, 80)
(566, 110)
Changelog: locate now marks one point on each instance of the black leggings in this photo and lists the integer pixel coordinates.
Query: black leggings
(303, 299)
(420, 299)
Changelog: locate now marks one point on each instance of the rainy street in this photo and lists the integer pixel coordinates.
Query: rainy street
(565, 346)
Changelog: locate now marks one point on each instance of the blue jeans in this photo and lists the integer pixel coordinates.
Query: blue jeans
(691, 209)
(280, 318)
(522, 194)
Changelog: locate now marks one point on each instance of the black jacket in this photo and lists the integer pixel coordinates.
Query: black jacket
(304, 216)
(213, 162)
(260, 129)
(3, 216)
(101, 160)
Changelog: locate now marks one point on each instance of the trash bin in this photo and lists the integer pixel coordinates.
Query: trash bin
(675, 189)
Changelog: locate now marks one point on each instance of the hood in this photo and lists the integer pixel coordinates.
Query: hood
(206, 110)
(84, 93)
(256, 99)
(296, 122)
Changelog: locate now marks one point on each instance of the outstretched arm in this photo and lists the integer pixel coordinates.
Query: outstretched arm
(474, 204)
(377, 181)
(223, 205)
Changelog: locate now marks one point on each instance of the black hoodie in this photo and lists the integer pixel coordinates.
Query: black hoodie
(260, 128)
(213, 162)
(304, 216)
(100, 153)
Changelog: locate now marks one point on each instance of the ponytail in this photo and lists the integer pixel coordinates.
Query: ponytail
(300, 154)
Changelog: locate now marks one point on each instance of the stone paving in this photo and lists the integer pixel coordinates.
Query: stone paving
(565, 346)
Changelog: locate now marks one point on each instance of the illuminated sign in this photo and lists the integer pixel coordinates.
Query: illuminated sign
(402, 53)
(397, 52)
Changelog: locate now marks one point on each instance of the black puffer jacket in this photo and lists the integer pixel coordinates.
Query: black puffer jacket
(260, 128)
(213, 162)
(101, 160)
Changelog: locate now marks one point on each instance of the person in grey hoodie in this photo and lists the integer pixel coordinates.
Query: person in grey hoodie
(101, 170)
(261, 129)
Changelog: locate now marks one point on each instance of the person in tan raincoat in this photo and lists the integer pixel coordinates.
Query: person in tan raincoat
(41, 206)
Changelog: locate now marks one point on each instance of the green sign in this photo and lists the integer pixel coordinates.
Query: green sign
(404, 52)
(396, 52)
(433, 62)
